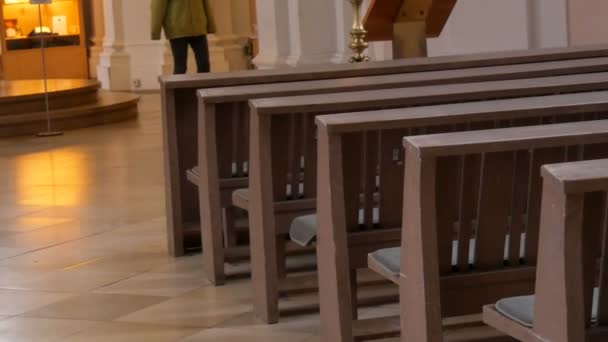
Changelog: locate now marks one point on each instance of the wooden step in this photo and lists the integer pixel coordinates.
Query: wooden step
(27, 96)
(109, 107)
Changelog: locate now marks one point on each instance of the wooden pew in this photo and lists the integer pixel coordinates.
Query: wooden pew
(223, 148)
(344, 240)
(429, 286)
(179, 114)
(565, 308)
(283, 134)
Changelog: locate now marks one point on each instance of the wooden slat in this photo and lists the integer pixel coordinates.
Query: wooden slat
(351, 168)
(493, 212)
(294, 153)
(391, 177)
(242, 138)
(310, 157)
(370, 163)
(595, 151)
(602, 312)
(521, 174)
(234, 134)
(225, 123)
(574, 153)
(593, 224)
(280, 146)
(540, 157)
(447, 197)
(468, 206)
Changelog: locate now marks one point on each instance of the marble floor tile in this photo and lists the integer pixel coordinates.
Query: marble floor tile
(131, 332)
(127, 261)
(25, 329)
(83, 250)
(26, 223)
(185, 264)
(156, 284)
(254, 334)
(9, 252)
(46, 237)
(95, 307)
(15, 302)
(190, 311)
(16, 278)
(238, 290)
(56, 257)
(73, 280)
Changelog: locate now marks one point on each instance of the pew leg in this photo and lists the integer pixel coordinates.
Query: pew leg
(265, 280)
(173, 160)
(281, 257)
(353, 294)
(262, 230)
(230, 238)
(213, 245)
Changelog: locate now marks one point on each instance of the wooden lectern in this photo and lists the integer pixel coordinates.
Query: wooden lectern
(407, 23)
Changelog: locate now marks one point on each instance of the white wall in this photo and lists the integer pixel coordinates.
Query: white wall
(588, 22)
(474, 26)
(498, 25)
(549, 23)
(146, 56)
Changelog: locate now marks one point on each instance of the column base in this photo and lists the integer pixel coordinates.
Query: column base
(321, 58)
(114, 71)
(94, 57)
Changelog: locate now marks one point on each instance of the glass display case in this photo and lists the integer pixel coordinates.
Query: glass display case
(61, 32)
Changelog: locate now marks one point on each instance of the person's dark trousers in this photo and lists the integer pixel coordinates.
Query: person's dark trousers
(179, 47)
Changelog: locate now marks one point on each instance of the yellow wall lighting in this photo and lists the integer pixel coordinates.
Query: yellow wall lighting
(12, 2)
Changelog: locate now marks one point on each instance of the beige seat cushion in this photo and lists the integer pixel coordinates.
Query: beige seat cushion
(303, 229)
(389, 259)
(521, 309)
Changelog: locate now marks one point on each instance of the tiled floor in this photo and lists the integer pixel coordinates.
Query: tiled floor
(83, 254)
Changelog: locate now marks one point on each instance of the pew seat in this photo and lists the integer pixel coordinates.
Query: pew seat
(387, 261)
(303, 229)
(569, 302)
(521, 309)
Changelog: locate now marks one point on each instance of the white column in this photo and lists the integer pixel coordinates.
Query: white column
(547, 23)
(227, 45)
(483, 26)
(295, 32)
(314, 27)
(273, 33)
(96, 36)
(114, 70)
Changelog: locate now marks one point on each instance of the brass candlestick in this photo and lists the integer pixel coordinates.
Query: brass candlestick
(358, 35)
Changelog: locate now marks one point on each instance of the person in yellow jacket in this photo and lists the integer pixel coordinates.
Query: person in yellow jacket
(185, 22)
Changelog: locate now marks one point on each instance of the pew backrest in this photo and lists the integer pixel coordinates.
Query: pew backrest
(327, 71)
(572, 241)
(285, 130)
(497, 255)
(360, 186)
(228, 105)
